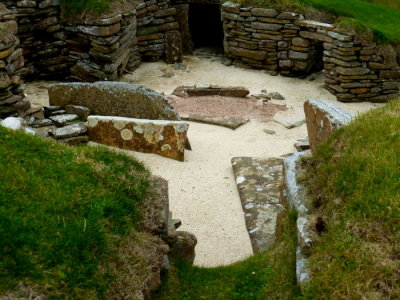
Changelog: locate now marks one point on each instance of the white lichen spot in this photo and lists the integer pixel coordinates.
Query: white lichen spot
(92, 122)
(126, 134)
(166, 147)
(240, 180)
(118, 124)
(138, 129)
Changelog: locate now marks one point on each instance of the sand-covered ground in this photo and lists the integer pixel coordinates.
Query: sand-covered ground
(202, 189)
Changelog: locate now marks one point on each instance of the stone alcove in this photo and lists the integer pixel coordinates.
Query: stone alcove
(205, 25)
(200, 24)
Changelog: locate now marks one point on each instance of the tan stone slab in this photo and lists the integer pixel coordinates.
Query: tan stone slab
(165, 138)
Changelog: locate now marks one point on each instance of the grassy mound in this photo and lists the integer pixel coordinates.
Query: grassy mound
(268, 275)
(66, 218)
(378, 16)
(357, 193)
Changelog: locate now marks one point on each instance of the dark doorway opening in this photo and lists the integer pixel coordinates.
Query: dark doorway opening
(205, 25)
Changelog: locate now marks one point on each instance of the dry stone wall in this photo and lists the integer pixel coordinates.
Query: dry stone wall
(285, 43)
(11, 67)
(103, 47)
(91, 47)
(158, 31)
(42, 36)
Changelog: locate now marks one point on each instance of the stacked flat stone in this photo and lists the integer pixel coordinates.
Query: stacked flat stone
(358, 71)
(103, 47)
(285, 43)
(42, 37)
(260, 38)
(11, 64)
(158, 33)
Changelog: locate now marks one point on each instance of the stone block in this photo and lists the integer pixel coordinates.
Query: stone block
(264, 12)
(322, 120)
(173, 47)
(114, 99)
(240, 52)
(165, 138)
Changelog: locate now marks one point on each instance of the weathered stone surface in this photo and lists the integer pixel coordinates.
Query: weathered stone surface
(259, 181)
(69, 131)
(173, 47)
(13, 123)
(231, 7)
(302, 145)
(215, 90)
(352, 71)
(81, 111)
(322, 120)
(266, 26)
(256, 55)
(275, 96)
(64, 119)
(316, 36)
(296, 195)
(229, 122)
(114, 99)
(101, 31)
(183, 245)
(166, 138)
(290, 119)
(264, 12)
(314, 24)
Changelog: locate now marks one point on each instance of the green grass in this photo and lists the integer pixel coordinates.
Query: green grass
(77, 6)
(382, 20)
(63, 213)
(357, 193)
(268, 275)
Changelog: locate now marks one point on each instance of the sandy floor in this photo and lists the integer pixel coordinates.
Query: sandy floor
(202, 189)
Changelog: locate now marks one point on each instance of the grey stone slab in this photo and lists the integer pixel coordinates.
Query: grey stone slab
(259, 183)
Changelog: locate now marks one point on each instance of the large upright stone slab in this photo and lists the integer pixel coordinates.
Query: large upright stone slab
(114, 99)
(259, 183)
(165, 138)
(322, 120)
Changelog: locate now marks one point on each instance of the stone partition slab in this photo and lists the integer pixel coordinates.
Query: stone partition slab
(165, 138)
(323, 119)
(114, 99)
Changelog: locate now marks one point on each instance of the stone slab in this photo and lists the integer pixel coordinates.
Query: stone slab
(323, 119)
(165, 138)
(290, 118)
(229, 122)
(114, 99)
(259, 183)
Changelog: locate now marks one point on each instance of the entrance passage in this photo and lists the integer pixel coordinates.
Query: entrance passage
(205, 25)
